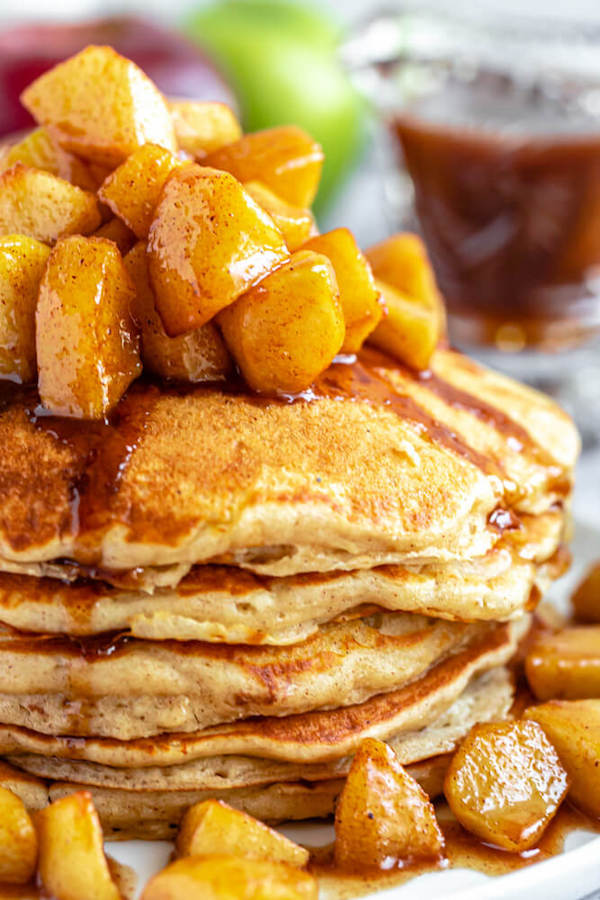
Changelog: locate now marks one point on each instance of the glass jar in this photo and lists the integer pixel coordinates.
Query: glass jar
(494, 123)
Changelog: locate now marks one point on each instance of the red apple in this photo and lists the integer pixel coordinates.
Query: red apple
(177, 66)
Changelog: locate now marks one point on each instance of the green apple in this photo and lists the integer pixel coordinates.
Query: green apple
(281, 58)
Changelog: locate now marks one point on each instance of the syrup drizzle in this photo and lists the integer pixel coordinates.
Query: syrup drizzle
(518, 438)
(101, 453)
(366, 381)
(501, 520)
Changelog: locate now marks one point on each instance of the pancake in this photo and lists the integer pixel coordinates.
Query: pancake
(486, 697)
(130, 812)
(36, 792)
(32, 791)
(219, 603)
(375, 465)
(312, 737)
(126, 688)
(157, 817)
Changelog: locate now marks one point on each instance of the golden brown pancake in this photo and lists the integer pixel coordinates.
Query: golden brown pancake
(156, 815)
(131, 811)
(375, 465)
(126, 688)
(317, 736)
(32, 791)
(486, 697)
(224, 604)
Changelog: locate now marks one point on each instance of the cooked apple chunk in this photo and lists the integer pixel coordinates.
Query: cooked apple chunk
(586, 599)
(408, 332)
(286, 331)
(359, 295)
(230, 878)
(199, 355)
(117, 231)
(565, 665)
(38, 150)
(72, 864)
(201, 128)
(402, 262)
(505, 783)
(286, 159)
(382, 815)
(87, 346)
(295, 223)
(573, 727)
(18, 840)
(42, 206)
(100, 106)
(209, 242)
(213, 827)
(22, 264)
(132, 191)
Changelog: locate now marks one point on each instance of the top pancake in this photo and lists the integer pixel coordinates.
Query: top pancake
(374, 465)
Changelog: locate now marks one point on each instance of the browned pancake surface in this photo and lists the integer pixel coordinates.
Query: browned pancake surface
(376, 461)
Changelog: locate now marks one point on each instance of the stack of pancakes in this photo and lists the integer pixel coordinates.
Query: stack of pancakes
(221, 595)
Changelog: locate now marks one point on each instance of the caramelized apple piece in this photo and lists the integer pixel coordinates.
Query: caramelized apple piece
(586, 599)
(382, 815)
(565, 665)
(213, 827)
(42, 206)
(402, 268)
(408, 331)
(230, 878)
(100, 106)
(286, 159)
(286, 331)
(117, 231)
(199, 355)
(22, 264)
(209, 242)
(505, 783)
(132, 191)
(87, 347)
(18, 840)
(72, 864)
(358, 294)
(201, 128)
(402, 262)
(100, 173)
(38, 150)
(295, 223)
(573, 727)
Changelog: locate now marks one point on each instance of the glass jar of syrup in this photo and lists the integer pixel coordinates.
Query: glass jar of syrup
(493, 120)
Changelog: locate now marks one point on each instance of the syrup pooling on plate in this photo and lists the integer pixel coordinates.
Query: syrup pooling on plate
(462, 851)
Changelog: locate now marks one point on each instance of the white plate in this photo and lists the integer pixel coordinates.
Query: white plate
(573, 874)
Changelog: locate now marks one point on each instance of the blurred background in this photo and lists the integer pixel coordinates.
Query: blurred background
(477, 124)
